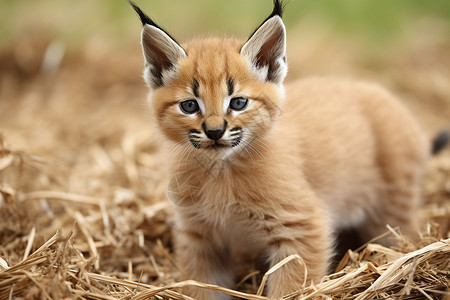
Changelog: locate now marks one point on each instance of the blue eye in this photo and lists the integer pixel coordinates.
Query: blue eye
(238, 103)
(189, 106)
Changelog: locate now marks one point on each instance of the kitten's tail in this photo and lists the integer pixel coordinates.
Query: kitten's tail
(440, 141)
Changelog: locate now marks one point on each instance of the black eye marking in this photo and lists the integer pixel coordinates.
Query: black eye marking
(238, 103)
(230, 85)
(195, 88)
(189, 106)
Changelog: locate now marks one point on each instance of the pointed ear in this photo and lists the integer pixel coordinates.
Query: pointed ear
(266, 50)
(161, 54)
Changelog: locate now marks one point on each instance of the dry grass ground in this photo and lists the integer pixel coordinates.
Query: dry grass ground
(83, 209)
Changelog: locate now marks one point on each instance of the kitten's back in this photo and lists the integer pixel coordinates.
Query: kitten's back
(354, 139)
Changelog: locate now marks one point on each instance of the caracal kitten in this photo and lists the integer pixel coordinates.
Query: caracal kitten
(269, 169)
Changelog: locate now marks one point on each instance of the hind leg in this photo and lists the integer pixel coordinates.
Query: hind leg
(401, 212)
(398, 204)
(401, 153)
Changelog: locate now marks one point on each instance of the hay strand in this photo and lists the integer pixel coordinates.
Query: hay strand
(80, 199)
(279, 265)
(29, 243)
(93, 248)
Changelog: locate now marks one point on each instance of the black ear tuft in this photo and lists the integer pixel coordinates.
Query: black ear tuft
(144, 18)
(278, 7)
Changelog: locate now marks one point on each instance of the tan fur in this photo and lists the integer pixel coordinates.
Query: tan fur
(320, 156)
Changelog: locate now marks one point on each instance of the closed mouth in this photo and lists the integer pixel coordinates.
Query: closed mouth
(217, 146)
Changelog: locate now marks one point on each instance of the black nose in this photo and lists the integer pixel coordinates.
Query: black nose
(215, 134)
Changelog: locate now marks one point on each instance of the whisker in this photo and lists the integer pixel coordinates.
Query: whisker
(245, 148)
(255, 150)
(175, 149)
(261, 144)
(187, 157)
(185, 151)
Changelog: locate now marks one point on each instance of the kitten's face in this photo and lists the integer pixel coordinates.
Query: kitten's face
(214, 101)
(216, 94)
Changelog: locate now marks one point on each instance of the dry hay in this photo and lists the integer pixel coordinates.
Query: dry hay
(68, 264)
(83, 213)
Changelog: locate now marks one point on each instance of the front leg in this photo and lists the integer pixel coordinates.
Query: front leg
(305, 234)
(202, 259)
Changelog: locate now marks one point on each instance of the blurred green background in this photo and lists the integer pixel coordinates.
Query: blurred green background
(72, 21)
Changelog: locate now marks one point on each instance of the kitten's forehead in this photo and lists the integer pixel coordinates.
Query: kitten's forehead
(211, 60)
(211, 69)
